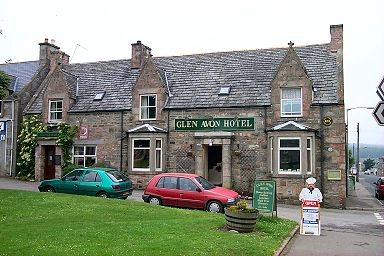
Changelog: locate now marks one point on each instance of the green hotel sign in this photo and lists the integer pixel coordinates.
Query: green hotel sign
(223, 124)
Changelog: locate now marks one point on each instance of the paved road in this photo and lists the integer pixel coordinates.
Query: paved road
(343, 232)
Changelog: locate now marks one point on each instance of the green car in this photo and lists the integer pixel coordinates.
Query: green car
(101, 182)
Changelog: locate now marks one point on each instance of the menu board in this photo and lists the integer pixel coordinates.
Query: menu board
(264, 195)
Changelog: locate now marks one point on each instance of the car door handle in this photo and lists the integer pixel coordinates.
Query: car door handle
(181, 193)
(97, 186)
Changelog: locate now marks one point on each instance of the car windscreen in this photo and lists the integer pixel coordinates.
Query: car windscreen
(204, 183)
(116, 176)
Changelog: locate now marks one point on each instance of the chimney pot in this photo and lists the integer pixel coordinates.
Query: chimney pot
(52, 41)
(46, 40)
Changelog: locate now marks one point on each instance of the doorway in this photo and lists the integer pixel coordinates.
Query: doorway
(215, 157)
(49, 162)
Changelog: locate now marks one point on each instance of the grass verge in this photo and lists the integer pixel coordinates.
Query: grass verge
(34, 223)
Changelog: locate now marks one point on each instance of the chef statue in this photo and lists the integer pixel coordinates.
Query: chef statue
(310, 192)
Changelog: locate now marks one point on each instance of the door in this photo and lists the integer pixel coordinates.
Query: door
(189, 196)
(166, 188)
(215, 158)
(49, 163)
(91, 184)
(70, 182)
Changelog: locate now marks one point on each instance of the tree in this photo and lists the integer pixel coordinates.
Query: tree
(351, 160)
(4, 82)
(368, 164)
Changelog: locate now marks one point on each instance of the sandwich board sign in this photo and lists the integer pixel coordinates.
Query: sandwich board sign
(264, 196)
(310, 218)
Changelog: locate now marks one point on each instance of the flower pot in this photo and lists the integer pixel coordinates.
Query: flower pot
(240, 221)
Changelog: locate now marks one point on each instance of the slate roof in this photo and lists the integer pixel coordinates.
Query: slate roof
(21, 73)
(194, 81)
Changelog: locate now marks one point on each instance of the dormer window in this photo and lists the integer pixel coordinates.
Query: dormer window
(148, 107)
(291, 102)
(55, 111)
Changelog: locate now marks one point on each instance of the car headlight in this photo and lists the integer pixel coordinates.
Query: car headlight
(231, 200)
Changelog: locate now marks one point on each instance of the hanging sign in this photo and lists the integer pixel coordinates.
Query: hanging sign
(3, 130)
(310, 218)
(83, 134)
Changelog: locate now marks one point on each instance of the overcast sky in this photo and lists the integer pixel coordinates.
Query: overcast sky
(104, 30)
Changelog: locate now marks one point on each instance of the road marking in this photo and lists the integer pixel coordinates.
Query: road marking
(379, 218)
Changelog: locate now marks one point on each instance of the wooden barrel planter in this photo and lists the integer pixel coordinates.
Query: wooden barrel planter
(244, 222)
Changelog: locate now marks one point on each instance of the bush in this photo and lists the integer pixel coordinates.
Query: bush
(242, 206)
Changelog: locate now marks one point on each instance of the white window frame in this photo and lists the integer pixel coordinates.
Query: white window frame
(84, 155)
(271, 153)
(280, 171)
(287, 114)
(147, 107)
(161, 154)
(50, 111)
(133, 155)
(310, 154)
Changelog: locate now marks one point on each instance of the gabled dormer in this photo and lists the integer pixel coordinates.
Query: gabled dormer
(149, 92)
(291, 88)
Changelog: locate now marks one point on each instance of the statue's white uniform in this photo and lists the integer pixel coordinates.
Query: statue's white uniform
(306, 194)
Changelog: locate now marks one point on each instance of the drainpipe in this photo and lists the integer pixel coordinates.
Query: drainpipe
(12, 132)
(121, 139)
(322, 181)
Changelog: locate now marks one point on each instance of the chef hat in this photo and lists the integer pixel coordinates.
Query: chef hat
(311, 180)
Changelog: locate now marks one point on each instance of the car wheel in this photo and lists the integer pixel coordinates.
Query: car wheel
(214, 206)
(103, 194)
(154, 201)
(49, 189)
(376, 195)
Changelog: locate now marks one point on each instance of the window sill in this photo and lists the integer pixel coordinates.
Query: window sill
(291, 176)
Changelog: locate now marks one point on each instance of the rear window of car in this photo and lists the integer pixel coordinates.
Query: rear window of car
(116, 176)
(167, 182)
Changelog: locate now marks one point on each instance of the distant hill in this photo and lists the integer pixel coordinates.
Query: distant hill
(369, 150)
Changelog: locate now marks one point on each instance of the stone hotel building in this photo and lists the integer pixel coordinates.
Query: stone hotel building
(231, 117)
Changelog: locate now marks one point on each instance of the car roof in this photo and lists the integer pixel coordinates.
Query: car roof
(184, 175)
(97, 169)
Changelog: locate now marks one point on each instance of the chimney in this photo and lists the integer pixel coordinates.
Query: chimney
(51, 54)
(140, 53)
(336, 37)
(45, 51)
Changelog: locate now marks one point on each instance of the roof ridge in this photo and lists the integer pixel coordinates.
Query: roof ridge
(236, 51)
(21, 62)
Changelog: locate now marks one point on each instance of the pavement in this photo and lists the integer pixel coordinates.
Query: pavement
(356, 230)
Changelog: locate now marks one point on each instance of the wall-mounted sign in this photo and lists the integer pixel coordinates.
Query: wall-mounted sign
(226, 124)
(327, 121)
(83, 134)
(3, 130)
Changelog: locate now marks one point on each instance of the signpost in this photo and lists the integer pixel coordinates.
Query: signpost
(380, 90)
(378, 113)
(264, 196)
(310, 218)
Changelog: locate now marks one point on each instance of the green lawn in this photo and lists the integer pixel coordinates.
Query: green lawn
(34, 223)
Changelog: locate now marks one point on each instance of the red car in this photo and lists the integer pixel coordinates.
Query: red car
(188, 190)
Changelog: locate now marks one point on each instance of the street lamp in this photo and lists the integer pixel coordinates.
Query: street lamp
(346, 146)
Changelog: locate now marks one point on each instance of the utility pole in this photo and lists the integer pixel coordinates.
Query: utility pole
(358, 154)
